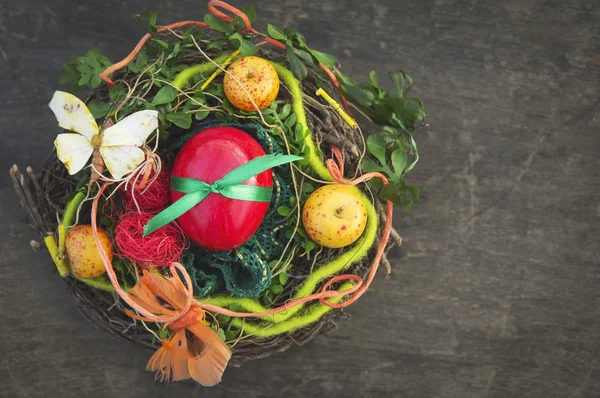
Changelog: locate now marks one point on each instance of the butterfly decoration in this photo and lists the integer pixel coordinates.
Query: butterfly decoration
(116, 146)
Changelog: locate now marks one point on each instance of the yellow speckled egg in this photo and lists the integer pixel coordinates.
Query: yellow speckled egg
(334, 215)
(83, 253)
(258, 78)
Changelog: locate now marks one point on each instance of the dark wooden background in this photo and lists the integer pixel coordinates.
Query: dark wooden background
(495, 292)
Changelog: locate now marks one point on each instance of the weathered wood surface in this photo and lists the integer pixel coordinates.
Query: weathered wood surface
(495, 291)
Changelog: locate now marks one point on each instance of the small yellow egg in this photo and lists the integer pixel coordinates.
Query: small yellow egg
(83, 253)
(334, 215)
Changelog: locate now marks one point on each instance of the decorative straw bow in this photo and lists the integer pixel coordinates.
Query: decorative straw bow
(229, 186)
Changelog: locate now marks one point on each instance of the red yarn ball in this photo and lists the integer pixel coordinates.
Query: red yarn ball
(161, 248)
(153, 198)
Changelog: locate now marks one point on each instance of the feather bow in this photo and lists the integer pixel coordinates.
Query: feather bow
(193, 350)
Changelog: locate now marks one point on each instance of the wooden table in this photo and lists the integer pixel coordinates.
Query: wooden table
(495, 290)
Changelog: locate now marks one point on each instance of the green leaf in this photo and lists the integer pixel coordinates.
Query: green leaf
(276, 33)
(369, 165)
(414, 191)
(246, 46)
(85, 78)
(296, 66)
(306, 57)
(165, 95)
(221, 334)
(399, 195)
(218, 24)
(345, 79)
(399, 161)
(284, 211)
(283, 277)
(98, 109)
(161, 42)
(291, 120)
(95, 81)
(231, 335)
(147, 20)
(65, 79)
(358, 95)
(201, 115)
(324, 58)
(376, 145)
(70, 68)
(92, 61)
(183, 120)
(140, 62)
(299, 133)
(413, 112)
(238, 24)
(285, 111)
(105, 221)
(250, 13)
(373, 78)
(307, 187)
(309, 245)
(276, 289)
(215, 45)
(400, 78)
(117, 93)
(84, 67)
(175, 51)
(391, 192)
(272, 120)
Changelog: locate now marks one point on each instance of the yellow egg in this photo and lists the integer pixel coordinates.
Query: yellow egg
(258, 78)
(83, 253)
(334, 215)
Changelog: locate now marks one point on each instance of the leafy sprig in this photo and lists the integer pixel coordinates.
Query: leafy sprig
(85, 70)
(393, 150)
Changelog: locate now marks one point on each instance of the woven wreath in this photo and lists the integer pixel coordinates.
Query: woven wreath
(216, 199)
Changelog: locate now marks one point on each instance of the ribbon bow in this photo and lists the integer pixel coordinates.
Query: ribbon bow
(229, 186)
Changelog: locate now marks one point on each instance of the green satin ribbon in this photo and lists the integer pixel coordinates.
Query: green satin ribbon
(229, 186)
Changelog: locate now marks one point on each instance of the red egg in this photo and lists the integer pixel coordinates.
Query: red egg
(219, 223)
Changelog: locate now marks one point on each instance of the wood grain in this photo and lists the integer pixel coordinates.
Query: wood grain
(495, 289)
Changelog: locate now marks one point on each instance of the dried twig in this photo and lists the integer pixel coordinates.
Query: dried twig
(393, 233)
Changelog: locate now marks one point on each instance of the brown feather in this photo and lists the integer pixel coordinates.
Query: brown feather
(208, 355)
(171, 360)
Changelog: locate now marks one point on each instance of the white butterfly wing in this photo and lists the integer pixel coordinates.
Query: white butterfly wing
(73, 150)
(131, 131)
(121, 160)
(72, 114)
